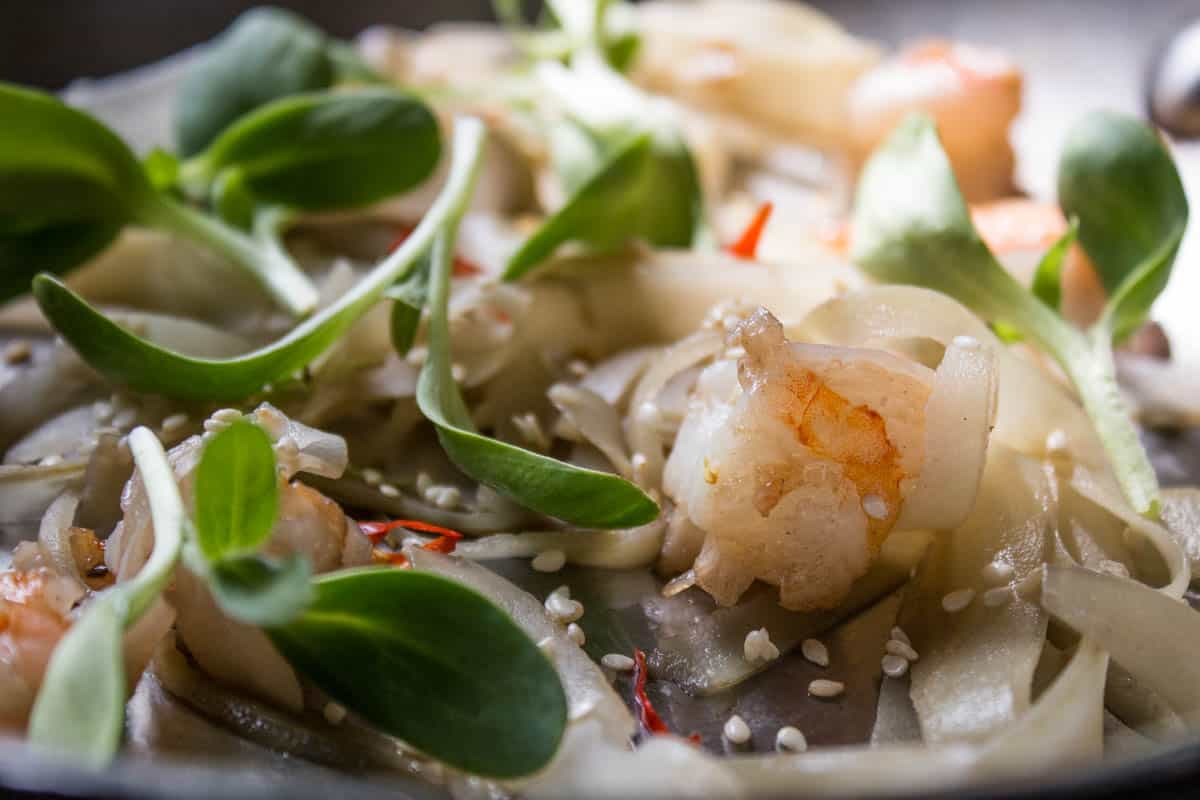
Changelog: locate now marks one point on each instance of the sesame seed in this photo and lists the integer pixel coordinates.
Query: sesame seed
(1056, 441)
(899, 649)
(372, 477)
(875, 506)
(458, 372)
(790, 740)
(994, 598)
(228, 415)
(102, 410)
(759, 647)
(424, 482)
(387, 490)
(649, 413)
(998, 572)
(815, 651)
(174, 422)
(618, 662)
(578, 367)
(417, 355)
(50, 461)
(966, 342)
(530, 428)
(638, 460)
(736, 731)
(18, 352)
(444, 497)
(576, 634)
(561, 607)
(894, 666)
(958, 600)
(334, 713)
(824, 688)
(125, 419)
(549, 561)
(900, 636)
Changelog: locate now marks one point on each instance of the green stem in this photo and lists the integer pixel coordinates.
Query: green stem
(1087, 360)
(276, 272)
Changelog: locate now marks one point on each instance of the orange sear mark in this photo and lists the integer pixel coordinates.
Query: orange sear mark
(853, 436)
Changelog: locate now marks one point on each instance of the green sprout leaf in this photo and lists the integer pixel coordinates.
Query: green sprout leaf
(1047, 279)
(434, 663)
(237, 492)
(129, 359)
(324, 150)
(80, 707)
(261, 590)
(266, 54)
(580, 496)
(912, 226)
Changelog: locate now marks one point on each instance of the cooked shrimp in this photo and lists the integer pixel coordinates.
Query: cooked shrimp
(795, 463)
(34, 606)
(973, 93)
(1020, 231)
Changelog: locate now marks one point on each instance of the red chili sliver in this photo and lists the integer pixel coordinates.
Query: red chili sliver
(445, 543)
(747, 244)
(462, 268)
(650, 721)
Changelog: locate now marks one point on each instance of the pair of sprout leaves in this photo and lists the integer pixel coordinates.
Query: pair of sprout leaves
(419, 656)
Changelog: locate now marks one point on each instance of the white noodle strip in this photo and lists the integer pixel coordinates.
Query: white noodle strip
(958, 420)
(645, 439)
(596, 420)
(610, 549)
(54, 536)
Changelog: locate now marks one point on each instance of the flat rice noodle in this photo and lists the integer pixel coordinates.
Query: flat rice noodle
(64, 435)
(596, 420)
(958, 420)
(1030, 404)
(1181, 517)
(610, 549)
(700, 647)
(975, 672)
(27, 491)
(1149, 632)
(54, 537)
(52, 385)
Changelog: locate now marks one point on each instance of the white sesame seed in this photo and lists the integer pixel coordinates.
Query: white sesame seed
(125, 419)
(18, 352)
(50, 461)
(228, 415)
(966, 342)
(999, 596)
(1056, 441)
(174, 422)
(638, 460)
(958, 600)
(334, 713)
(458, 372)
(900, 636)
(899, 649)
(387, 490)
(824, 688)
(759, 647)
(736, 731)
(618, 662)
(576, 634)
(372, 477)
(875, 506)
(649, 413)
(444, 497)
(424, 482)
(998, 572)
(561, 607)
(815, 651)
(578, 367)
(790, 740)
(894, 666)
(549, 561)
(102, 410)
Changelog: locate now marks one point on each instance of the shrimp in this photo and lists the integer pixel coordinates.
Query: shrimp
(34, 609)
(973, 93)
(308, 524)
(794, 463)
